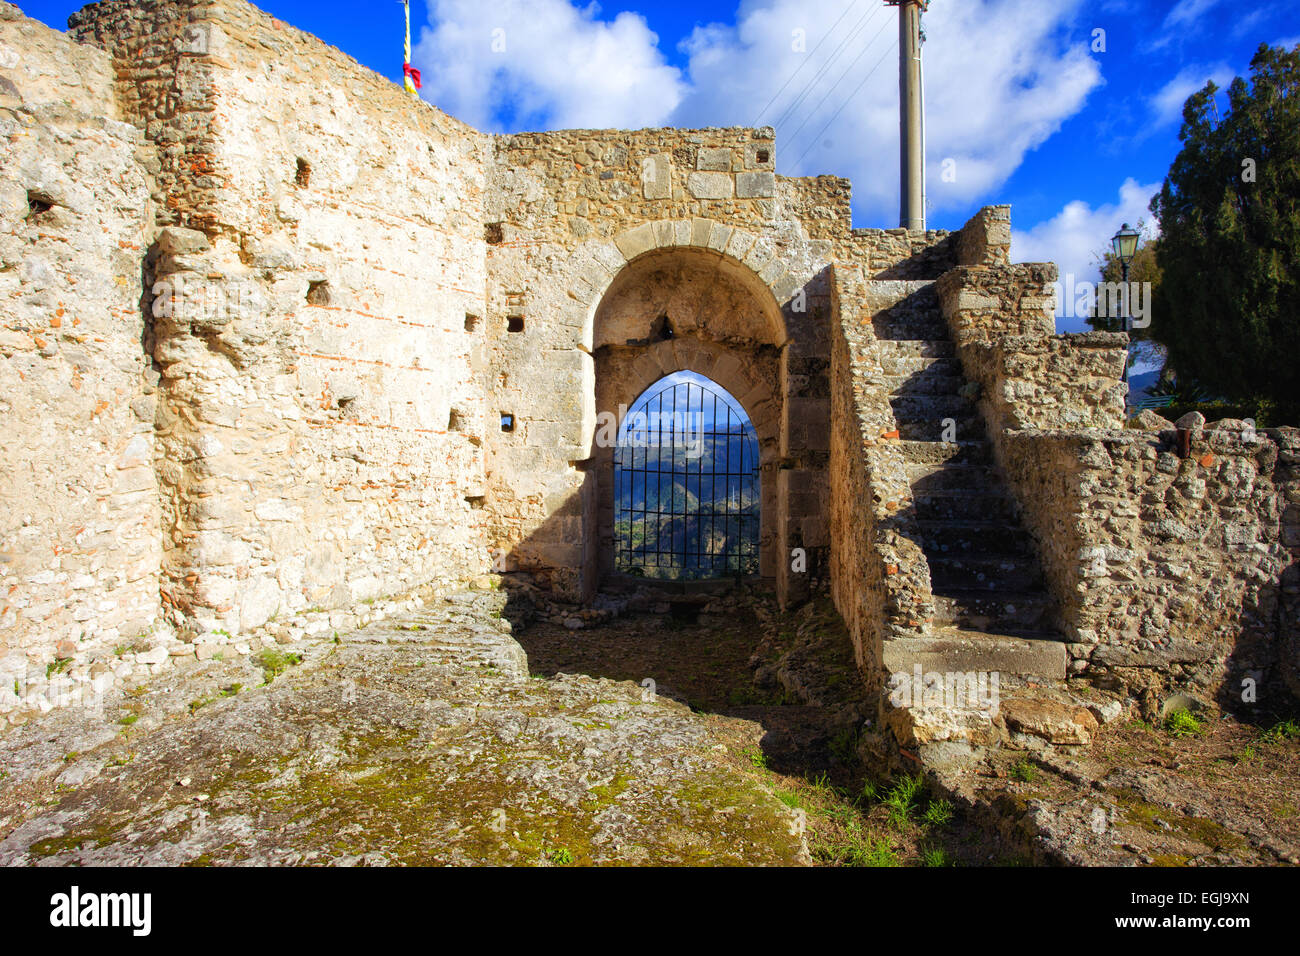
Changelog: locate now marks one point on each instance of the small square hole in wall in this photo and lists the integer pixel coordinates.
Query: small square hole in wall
(507, 422)
(762, 155)
(302, 177)
(38, 204)
(471, 322)
(453, 421)
(318, 293)
(494, 233)
(514, 323)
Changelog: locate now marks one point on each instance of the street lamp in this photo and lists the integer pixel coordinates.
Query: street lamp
(1124, 244)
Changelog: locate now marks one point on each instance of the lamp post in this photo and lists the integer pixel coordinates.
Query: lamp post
(1124, 244)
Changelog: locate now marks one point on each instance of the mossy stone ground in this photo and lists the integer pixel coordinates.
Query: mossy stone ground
(422, 740)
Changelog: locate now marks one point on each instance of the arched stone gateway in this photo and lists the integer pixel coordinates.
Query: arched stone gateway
(695, 296)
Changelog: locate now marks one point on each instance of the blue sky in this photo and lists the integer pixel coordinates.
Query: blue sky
(1023, 105)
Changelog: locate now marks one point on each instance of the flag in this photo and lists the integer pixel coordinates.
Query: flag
(410, 74)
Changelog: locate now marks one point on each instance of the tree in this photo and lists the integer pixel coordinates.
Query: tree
(1228, 304)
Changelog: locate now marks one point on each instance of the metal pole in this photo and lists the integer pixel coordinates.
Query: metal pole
(911, 142)
(1127, 345)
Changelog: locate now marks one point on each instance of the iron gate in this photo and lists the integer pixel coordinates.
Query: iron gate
(686, 480)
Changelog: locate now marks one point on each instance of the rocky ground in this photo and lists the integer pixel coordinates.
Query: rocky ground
(421, 740)
(1223, 793)
(491, 727)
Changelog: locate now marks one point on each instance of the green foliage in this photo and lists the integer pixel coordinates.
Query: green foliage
(560, 856)
(1228, 305)
(1023, 770)
(757, 758)
(57, 666)
(275, 662)
(1283, 730)
(934, 856)
(938, 812)
(901, 799)
(1182, 723)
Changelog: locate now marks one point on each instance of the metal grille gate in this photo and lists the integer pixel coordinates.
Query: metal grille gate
(686, 479)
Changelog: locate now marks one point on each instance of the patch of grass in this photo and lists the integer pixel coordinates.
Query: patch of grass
(1182, 723)
(1023, 770)
(560, 856)
(230, 690)
(275, 662)
(57, 666)
(934, 856)
(853, 846)
(757, 758)
(901, 800)
(70, 756)
(1281, 731)
(1248, 755)
(843, 746)
(129, 719)
(938, 813)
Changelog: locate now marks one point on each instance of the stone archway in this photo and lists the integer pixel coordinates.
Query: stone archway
(675, 309)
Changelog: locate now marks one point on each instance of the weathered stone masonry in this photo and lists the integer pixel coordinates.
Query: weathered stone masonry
(264, 315)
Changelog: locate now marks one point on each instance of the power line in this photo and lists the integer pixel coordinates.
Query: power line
(840, 110)
(813, 112)
(806, 60)
(826, 66)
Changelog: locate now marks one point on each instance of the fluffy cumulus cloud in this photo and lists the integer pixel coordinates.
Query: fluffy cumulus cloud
(1076, 236)
(1001, 77)
(545, 64)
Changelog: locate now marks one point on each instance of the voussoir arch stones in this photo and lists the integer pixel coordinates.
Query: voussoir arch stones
(594, 265)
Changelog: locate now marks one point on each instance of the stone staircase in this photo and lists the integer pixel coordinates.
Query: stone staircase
(992, 609)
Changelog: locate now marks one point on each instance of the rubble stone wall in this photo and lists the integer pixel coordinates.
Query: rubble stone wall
(1168, 561)
(80, 542)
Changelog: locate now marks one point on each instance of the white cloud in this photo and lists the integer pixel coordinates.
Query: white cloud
(1187, 12)
(1001, 77)
(1076, 236)
(544, 64)
(1167, 104)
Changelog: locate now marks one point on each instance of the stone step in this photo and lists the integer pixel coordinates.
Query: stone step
(978, 452)
(988, 538)
(983, 572)
(955, 651)
(924, 382)
(914, 325)
(989, 505)
(895, 364)
(926, 408)
(916, 348)
(1004, 612)
(967, 428)
(951, 477)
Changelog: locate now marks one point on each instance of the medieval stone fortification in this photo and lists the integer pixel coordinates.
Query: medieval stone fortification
(263, 314)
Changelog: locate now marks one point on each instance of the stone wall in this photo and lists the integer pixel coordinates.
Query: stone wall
(1171, 561)
(880, 581)
(1174, 563)
(80, 541)
(318, 289)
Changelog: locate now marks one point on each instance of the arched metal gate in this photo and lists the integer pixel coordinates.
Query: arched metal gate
(686, 480)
